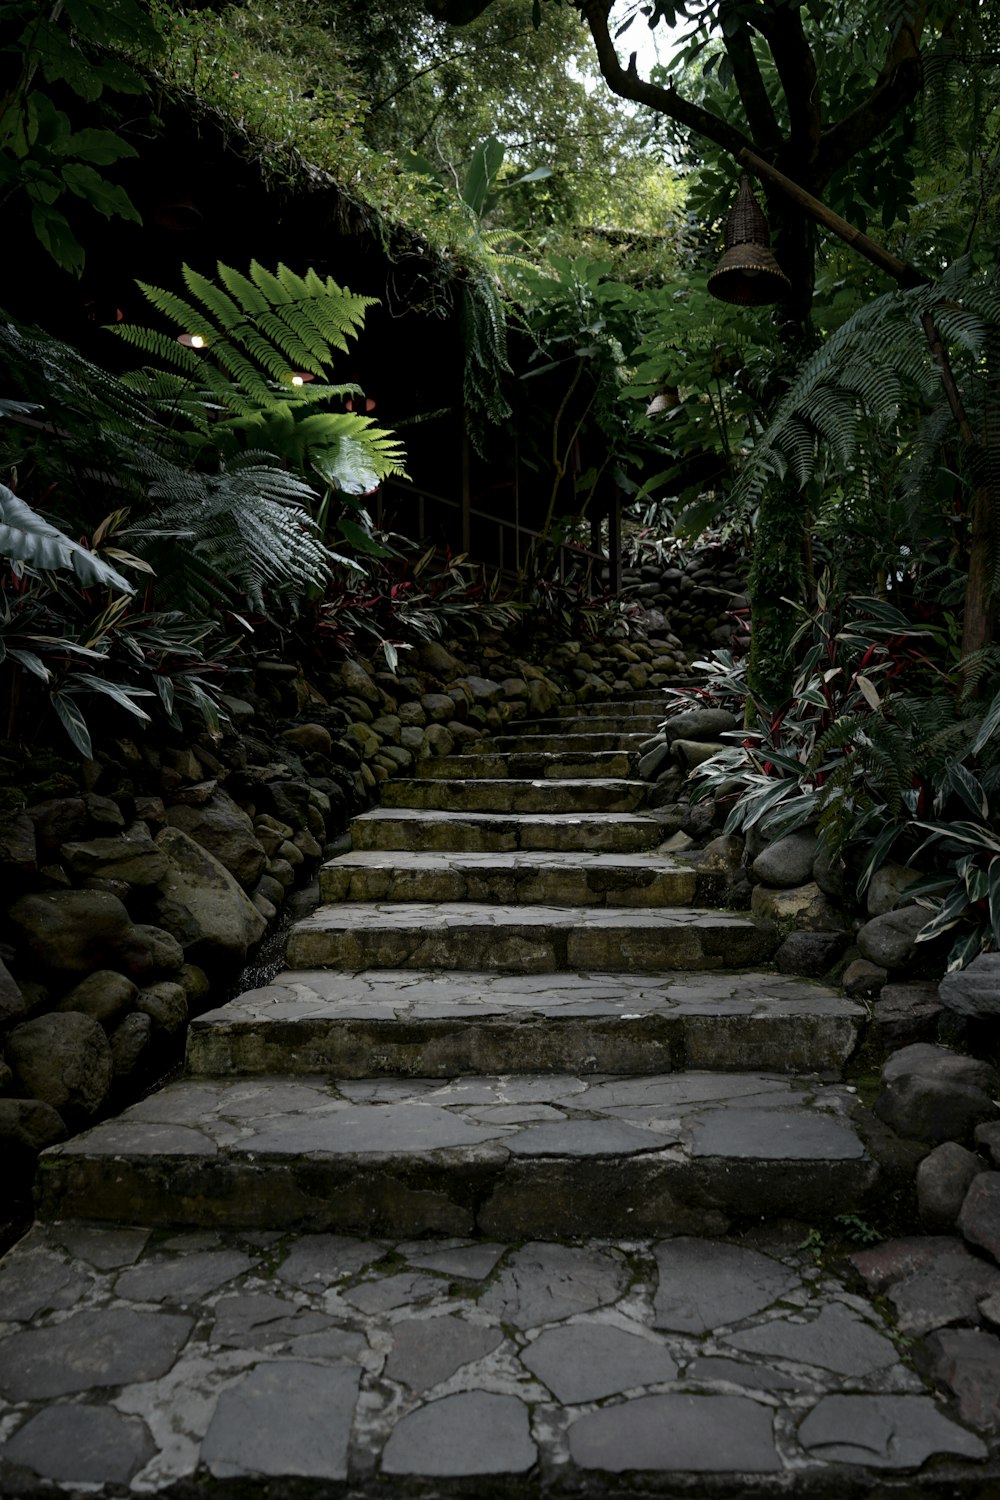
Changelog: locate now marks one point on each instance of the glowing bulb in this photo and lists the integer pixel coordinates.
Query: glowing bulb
(197, 342)
(192, 340)
(297, 380)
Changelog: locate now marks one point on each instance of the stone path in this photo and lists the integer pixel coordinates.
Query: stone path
(510, 1185)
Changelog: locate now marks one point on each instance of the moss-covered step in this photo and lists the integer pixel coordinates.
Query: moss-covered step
(615, 720)
(563, 764)
(546, 741)
(520, 879)
(503, 795)
(436, 1025)
(505, 1157)
(525, 939)
(489, 833)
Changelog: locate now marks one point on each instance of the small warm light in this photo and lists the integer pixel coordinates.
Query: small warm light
(192, 340)
(297, 380)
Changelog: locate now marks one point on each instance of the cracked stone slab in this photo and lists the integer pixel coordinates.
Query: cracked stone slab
(90, 1349)
(284, 1417)
(501, 1156)
(691, 1434)
(426, 1023)
(470, 1433)
(529, 939)
(884, 1431)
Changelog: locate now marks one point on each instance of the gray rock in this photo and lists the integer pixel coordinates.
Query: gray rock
(654, 760)
(202, 905)
(225, 830)
(883, 1432)
(131, 857)
(436, 740)
(943, 1179)
(804, 905)
(184, 1278)
(906, 1013)
(890, 940)
(809, 953)
(481, 690)
(27, 1126)
(828, 872)
(284, 1418)
(110, 1346)
(474, 1432)
(706, 1284)
(691, 753)
(967, 1360)
(13, 1003)
(158, 951)
(166, 1005)
(979, 1220)
(70, 933)
(104, 995)
(543, 1283)
(788, 861)
(587, 1361)
(677, 1432)
(948, 1289)
(932, 1061)
(64, 1060)
(18, 852)
(862, 978)
(92, 1445)
(988, 1140)
(923, 1108)
(130, 1044)
(700, 724)
(56, 820)
(887, 887)
(312, 739)
(835, 1339)
(438, 707)
(427, 1351)
(974, 990)
(357, 683)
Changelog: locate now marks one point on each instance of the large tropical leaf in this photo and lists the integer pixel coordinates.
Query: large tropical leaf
(26, 537)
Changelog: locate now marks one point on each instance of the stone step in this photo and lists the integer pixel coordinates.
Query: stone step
(508, 1157)
(569, 763)
(422, 830)
(596, 795)
(597, 708)
(526, 939)
(270, 1365)
(437, 1025)
(616, 721)
(571, 745)
(542, 878)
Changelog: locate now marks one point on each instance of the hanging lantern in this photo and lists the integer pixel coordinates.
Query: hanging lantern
(178, 213)
(748, 273)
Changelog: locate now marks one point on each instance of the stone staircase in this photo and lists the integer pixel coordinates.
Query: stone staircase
(506, 1181)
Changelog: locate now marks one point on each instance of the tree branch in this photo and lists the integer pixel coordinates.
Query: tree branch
(747, 77)
(793, 57)
(626, 83)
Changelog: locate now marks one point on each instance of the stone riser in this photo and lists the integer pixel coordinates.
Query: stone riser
(563, 765)
(456, 1192)
(555, 743)
(362, 938)
(609, 723)
(451, 879)
(441, 1047)
(484, 833)
(548, 796)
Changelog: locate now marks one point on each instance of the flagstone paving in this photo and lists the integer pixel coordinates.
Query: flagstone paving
(515, 1184)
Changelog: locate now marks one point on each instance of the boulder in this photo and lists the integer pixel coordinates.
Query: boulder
(805, 905)
(828, 872)
(104, 995)
(943, 1179)
(27, 1126)
(14, 1005)
(70, 933)
(887, 887)
(700, 724)
(225, 830)
(890, 940)
(974, 990)
(906, 1013)
(862, 978)
(979, 1219)
(203, 906)
(809, 953)
(161, 952)
(64, 1060)
(691, 753)
(436, 659)
(788, 861)
(18, 851)
(132, 858)
(56, 820)
(932, 1094)
(130, 1044)
(358, 684)
(481, 690)
(438, 707)
(166, 1006)
(311, 739)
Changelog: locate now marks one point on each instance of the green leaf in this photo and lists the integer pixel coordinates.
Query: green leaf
(55, 235)
(106, 197)
(483, 168)
(988, 727)
(74, 723)
(98, 146)
(360, 539)
(122, 695)
(30, 662)
(26, 537)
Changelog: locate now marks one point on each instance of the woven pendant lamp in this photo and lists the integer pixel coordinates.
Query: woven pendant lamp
(748, 273)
